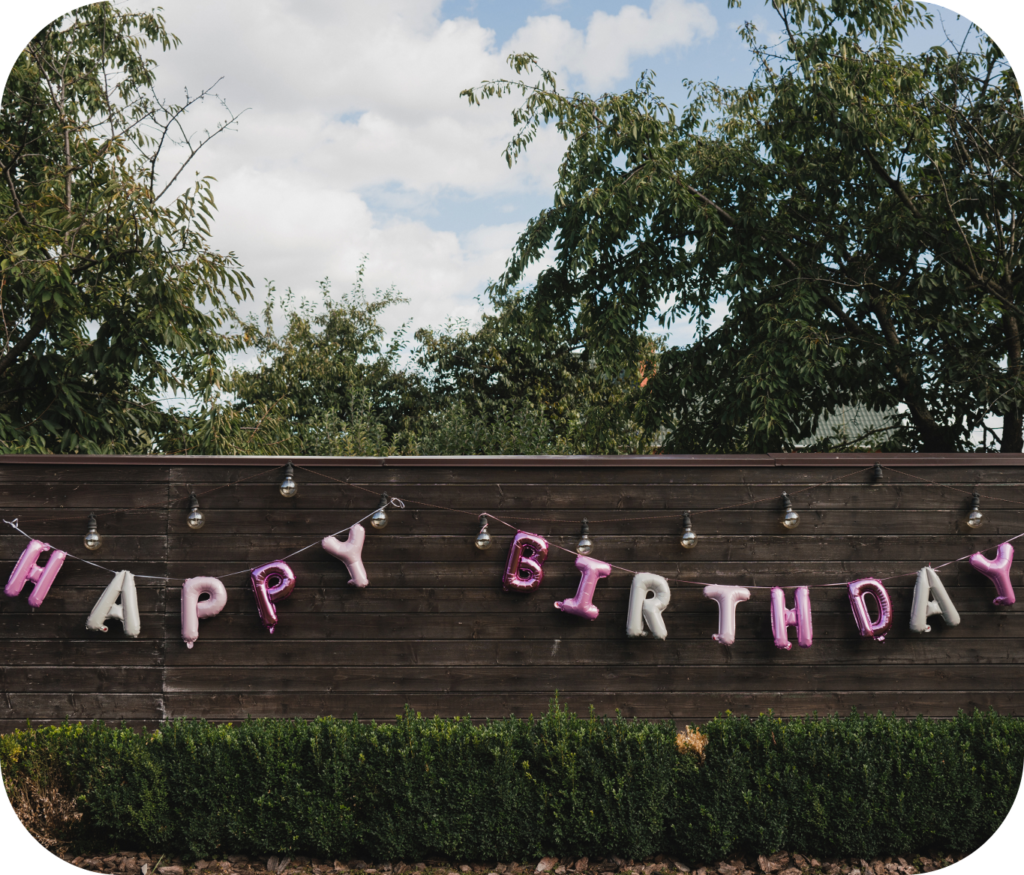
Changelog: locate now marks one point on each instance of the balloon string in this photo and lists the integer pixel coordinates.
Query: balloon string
(398, 503)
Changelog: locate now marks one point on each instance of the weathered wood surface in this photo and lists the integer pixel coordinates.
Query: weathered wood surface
(434, 630)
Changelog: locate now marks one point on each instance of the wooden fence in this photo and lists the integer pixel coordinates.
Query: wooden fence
(435, 632)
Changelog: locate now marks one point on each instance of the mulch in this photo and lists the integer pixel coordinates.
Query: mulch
(132, 863)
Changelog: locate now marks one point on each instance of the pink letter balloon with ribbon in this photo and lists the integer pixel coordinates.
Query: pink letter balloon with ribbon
(869, 628)
(271, 583)
(647, 610)
(727, 597)
(927, 585)
(783, 618)
(350, 551)
(41, 576)
(997, 570)
(582, 604)
(525, 568)
(121, 587)
(193, 610)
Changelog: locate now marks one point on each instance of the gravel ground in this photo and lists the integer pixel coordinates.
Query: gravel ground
(782, 863)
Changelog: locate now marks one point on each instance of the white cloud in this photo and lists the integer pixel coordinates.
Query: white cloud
(602, 56)
(355, 133)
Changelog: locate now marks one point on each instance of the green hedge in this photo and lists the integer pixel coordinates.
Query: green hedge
(517, 789)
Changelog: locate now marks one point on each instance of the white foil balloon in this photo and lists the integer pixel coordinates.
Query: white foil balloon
(924, 606)
(727, 597)
(647, 610)
(350, 551)
(123, 587)
(193, 610)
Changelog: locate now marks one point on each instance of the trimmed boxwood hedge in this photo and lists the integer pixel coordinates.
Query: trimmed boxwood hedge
(515, 789)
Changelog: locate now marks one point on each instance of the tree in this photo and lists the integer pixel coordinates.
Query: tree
(525, 366)
(857, 207)
(332, 382)
(109, 295)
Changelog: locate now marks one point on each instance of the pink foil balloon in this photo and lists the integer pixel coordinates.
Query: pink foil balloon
(193, 610)
(783, 618)
(997, 570)
(869, 628)
(350, 551)
(271, 583)
(582, 604)
(41, 576)
(727, 597)
(525, 568)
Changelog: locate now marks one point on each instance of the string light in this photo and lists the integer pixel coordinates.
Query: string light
(195, 519)
(483, 539)
(689, 538)
(584, 546)
(974, 517)
(876, 475)
(92, 539)
(380, 518)
(288, 486)
(790, 519)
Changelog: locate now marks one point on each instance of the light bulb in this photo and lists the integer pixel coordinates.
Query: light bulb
(584, 545)
(876, 476)
(689, 538)
(195, 518)
(791, 519)
(288, 486)
(974, 517)
(380, 518)
(483, 540)
(92, 539)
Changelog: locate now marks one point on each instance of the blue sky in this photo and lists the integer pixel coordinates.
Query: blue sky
(355, 143)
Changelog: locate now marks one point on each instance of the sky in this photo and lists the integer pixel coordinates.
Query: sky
(353, 142)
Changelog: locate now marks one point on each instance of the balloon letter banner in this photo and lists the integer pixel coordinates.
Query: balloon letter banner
(350, 551)
(193, 610)
(271, 583)
(783, 618)
(928, 583)
(123, 587)
(525, 568)
(727, 597)
(41, 576)
(869, 628)
(582, 604)
(647, 610)
(997, 570)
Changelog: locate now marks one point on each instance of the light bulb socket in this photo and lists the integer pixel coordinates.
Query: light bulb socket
(288, 486)
(92, 539)
(483, 539)
(195, 519)
(975, 516)
(688, 539)
(790, 518)
(584, 546)
(876, 474)
(380, 518)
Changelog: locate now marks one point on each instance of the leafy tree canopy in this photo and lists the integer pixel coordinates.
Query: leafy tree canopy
(109, 294)
(333, 383)
(858, 208)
